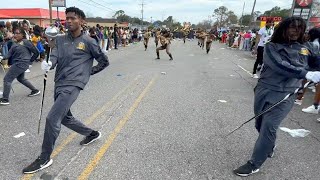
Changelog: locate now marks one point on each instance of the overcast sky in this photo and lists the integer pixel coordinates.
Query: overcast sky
(192, 11)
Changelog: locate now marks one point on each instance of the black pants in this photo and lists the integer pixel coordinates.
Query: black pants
(115, 43)
(259, 60)
(13, 73)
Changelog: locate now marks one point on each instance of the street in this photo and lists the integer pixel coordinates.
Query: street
(159, 119)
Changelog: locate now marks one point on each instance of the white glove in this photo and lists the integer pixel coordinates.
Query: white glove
(46, 65)
(313, 76)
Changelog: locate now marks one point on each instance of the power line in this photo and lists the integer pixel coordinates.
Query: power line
(100, 7)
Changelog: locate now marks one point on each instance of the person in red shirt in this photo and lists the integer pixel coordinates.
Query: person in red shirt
(247, 36)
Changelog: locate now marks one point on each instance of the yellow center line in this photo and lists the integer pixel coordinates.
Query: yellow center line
(88, 121)
(95, 161)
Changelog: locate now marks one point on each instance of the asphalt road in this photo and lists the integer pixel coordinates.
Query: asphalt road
(160, 119)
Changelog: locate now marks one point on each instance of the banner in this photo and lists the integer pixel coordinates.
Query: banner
(58, 3)
(302, 8)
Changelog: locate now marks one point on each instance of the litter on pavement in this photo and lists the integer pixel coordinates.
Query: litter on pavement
(296, 132)
(19, 135)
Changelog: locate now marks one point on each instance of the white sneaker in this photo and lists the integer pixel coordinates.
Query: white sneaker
(27, 71)
(311, 109)
(318, 120)
(255, 76)
(298, 102)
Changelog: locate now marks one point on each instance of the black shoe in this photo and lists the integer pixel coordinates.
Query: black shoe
(246, 170)
(157, 58)
(34, 93)
(37, 165)
(171, 58)
(91, 138)
(4, 102)
(272, 153)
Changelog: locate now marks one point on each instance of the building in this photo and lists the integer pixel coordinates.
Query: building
(38, 16)
(41, 17)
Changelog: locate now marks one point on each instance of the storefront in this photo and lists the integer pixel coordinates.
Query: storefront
(38, 16)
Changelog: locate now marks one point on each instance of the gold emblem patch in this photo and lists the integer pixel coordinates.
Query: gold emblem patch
(81, 46)
(304, 51)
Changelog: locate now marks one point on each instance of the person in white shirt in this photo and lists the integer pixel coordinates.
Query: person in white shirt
(264, 35)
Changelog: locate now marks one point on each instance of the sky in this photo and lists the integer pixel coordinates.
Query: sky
(193, 11)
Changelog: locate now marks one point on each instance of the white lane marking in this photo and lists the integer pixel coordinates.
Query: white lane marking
(222, 101)
(245, 70)
(19, 135)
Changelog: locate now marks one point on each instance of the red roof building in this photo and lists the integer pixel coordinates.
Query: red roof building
(37, 16)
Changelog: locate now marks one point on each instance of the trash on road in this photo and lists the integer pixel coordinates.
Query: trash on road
(232, 75)
(296, 132)
(119, 75)
(19, 135)
(163, 73)
(222, 101)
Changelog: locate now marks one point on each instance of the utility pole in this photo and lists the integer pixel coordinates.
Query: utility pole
(252, 13)
(292, 8)
(142, 5)
(244, 4)
(50, 11)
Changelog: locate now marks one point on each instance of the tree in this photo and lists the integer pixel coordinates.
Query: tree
(232, 18)
(136, 20)
(157, 23)
(221, 15)
(168, 22)
(118, 13)
(206, 24)
(277, 11)
(246, 19)
(124, 18)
